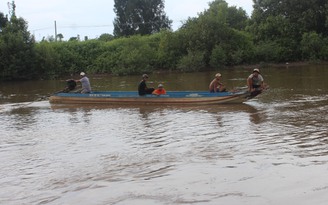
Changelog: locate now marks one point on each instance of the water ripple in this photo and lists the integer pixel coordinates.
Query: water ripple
(176, 154)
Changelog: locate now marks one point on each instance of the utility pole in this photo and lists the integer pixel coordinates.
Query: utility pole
(55, 32)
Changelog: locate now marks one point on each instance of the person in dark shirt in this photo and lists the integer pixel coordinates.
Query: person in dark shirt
(142, 88)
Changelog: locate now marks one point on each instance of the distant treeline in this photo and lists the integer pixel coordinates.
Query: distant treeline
(278, 31)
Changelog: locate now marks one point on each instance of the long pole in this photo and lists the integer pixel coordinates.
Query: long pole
(55, 32)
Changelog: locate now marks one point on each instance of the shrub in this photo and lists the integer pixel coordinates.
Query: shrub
(194, 61)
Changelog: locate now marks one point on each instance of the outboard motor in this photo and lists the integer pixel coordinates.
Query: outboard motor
(70, 85)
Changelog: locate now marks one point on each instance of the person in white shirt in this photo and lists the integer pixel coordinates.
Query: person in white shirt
(86, 88)
(255, 81)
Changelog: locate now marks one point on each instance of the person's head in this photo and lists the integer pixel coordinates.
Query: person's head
(145, 77)
(218, 75)
(82, 74)
(160, 86)
(256, 72)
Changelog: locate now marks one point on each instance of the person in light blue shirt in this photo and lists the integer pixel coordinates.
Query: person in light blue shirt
(86, 88)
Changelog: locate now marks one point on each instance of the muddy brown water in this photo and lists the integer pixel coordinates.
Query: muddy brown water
(270, 150)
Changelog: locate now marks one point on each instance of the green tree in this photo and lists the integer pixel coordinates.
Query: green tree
(134, 55)
(303, 16)
(285, 21)
(47, 60)
(3, 21)
(17, 50)
(313, 46)
(218, 57)
(139, 17)
(193, 61)
(170, 49)
(218, 30)
(106, 37)
(60, 36)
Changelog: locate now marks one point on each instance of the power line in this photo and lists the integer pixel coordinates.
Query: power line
(94, 26)
(72, 27)
(100, 26)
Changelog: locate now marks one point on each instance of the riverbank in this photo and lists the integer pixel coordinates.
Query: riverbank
(286, 64)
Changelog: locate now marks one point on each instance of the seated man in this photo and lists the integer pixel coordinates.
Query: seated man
(216, 85)
(255, 81)
(86, 88)
(142, 88)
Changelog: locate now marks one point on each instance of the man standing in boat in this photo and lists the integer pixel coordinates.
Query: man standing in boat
(255, 82)
(86, 88)
(142, 88)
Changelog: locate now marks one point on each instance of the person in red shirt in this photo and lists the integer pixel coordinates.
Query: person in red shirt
(160, 90)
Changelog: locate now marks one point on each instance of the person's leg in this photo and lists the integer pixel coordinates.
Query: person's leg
(222, 88)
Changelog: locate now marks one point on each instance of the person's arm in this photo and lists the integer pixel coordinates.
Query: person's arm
(155, 92)
(216, 84)
(249, 84)
(221, 88)
(262, 83)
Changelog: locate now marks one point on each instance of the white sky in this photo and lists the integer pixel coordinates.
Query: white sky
(94, 17)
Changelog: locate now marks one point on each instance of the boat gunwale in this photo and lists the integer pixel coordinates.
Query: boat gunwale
(188, 97)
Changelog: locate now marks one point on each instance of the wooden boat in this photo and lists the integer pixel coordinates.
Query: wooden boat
(171, 98)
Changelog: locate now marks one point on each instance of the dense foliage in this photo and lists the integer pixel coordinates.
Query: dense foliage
(278, 31)
(17, 51)
(139, 17)
(290, 30)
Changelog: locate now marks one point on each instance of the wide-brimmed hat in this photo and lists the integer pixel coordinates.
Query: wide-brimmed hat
(218, 75)
(256, 70)
(82, 74)
(144, 76)
(160, 85)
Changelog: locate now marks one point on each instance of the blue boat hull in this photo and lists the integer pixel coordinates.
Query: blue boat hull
(132, 98)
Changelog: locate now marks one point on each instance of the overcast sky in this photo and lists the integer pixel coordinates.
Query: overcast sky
(94, 17)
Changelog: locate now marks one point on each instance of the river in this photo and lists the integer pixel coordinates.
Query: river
(270, 150)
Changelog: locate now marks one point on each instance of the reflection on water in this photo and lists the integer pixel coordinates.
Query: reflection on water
(270, 150)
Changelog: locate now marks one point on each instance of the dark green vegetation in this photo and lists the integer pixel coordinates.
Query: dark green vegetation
(139, 17)
(278, 31)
